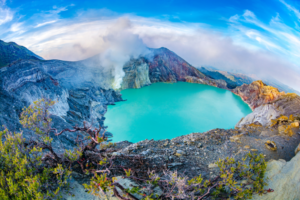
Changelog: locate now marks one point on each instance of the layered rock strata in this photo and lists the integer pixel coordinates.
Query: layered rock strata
(257, 93)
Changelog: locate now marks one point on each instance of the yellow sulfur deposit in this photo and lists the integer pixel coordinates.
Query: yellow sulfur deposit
(255, 125)
(271, 145)
(290, 130)
(291, 118)
(281, 129)
(279, 119)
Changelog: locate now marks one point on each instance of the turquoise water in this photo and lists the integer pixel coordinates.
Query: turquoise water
(163, 110)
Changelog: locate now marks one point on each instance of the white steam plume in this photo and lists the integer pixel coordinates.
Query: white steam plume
(121, 46)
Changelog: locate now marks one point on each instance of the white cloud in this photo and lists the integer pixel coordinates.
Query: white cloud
(6, 15)
(291, 8)
(45, 23)
(245, 49)
(16, 27)
(275, 37)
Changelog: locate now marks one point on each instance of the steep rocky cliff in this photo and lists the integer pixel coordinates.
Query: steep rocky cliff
(257, 93)
(267, 103)
(82, 92)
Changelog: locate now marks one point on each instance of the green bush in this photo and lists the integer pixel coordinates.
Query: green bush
(23, 175)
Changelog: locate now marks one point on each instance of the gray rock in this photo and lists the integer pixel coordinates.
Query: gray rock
(200, 145)
(283, 178)
(116, 154)
(148, 151)
(212, 165)
(174, 164)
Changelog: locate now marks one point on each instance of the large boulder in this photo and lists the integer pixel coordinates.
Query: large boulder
(283, 178)
(263, 115)
(287, 104)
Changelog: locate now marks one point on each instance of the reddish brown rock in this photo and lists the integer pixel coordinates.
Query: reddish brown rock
(166, 66)
(257, 93)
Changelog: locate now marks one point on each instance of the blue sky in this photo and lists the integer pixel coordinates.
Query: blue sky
(259, 37)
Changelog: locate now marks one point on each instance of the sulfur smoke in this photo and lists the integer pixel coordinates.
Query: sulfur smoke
(121, 46)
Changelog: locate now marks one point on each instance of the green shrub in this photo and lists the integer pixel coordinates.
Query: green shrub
(23, 174)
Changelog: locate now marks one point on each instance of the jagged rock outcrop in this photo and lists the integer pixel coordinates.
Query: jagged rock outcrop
(81, 92)
(257, 93)
(136, 74)
(267, 103)
(286, 104)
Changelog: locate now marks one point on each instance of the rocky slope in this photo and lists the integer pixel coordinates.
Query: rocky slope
(11, 52)
(267, 103)
(231, 82)
(80, 93)
(166, 66)
(257, 93)
(197, 153)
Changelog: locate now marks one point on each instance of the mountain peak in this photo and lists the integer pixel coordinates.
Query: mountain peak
(11, 52)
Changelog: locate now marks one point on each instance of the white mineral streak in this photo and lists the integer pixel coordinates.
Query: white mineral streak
(262, 114)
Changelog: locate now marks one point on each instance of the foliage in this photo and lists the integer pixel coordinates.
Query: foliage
(23, 175)
(239, 180)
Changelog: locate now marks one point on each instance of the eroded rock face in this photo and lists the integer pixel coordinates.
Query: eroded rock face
(166, 66)
(257, 93)
(136, 74)
(267, 103)
(81, 92)
(286, 104)
(262, 114)
(283, 179)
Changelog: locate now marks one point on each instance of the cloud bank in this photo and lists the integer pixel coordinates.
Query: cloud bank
(271, 53)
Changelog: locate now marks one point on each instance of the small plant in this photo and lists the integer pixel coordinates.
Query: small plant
(23, 174)
(239, 180)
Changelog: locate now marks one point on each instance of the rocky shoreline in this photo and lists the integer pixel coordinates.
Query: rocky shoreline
(197, 153)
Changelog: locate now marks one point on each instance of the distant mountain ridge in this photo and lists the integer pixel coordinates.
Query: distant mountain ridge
(238, 79)
(11, 52)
